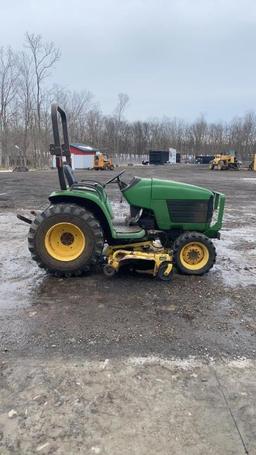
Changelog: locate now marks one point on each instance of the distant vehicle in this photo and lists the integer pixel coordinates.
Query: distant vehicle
(204, 159)
(103, 162)
(225, 162)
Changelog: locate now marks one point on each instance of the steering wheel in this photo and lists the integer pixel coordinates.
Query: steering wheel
(116, 177)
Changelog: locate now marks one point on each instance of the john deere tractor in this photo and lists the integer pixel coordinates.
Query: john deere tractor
(69, 236)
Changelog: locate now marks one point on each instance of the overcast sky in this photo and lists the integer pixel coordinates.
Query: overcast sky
(177, 58)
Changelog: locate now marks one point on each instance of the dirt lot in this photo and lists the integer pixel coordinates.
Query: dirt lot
(129, 365)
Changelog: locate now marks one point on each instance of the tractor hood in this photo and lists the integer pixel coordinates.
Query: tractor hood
(169, 189)
(174, 204)
(142, 192)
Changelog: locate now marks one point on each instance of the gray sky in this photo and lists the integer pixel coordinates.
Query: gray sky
(177, 58)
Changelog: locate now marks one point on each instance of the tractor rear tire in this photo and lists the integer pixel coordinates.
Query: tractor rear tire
(65, 240)
(193, 253)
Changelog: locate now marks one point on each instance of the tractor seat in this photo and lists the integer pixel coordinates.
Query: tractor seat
(72, 181)
(69, 175)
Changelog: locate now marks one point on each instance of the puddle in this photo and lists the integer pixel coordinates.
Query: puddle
(236, 250)
(237, 256)
(20, 276)
(249, 179)
(18, 273)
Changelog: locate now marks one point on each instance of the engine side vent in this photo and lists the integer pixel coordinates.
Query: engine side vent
(190, 211)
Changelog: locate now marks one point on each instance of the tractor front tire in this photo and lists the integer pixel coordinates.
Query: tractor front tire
(65, 240)
(193, 253)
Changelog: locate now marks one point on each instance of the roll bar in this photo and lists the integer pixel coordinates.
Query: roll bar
(58, 149)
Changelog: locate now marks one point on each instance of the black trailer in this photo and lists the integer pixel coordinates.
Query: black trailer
(158, 156)
(204, 159)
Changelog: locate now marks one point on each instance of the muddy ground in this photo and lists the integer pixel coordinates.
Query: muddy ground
(139, 355)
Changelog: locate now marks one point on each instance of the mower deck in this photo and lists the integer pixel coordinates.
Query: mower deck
(143, 257)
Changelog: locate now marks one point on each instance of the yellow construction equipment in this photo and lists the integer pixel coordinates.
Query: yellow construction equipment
(252, 165)
(102, 162)
(224, 162)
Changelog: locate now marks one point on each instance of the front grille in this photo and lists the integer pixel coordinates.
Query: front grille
(189, 211)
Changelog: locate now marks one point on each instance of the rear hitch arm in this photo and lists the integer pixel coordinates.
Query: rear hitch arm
(24, 218)
(28, 220)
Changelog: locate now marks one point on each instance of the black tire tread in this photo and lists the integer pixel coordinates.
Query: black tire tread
(190, 237)
(67, 209)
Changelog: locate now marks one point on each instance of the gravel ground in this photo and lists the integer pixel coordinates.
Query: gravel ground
(49, 327)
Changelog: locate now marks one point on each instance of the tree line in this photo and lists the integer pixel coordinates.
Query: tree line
(25, 124)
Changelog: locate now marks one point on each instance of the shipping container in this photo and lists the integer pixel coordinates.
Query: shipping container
(158, 156)
(164, 156)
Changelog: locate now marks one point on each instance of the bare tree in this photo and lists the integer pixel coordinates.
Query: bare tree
(44, 55)
(26, 95)
(77, 106)
(122, 103)
(198, 133)
(123, 100)
(94, 126)
(8, 91)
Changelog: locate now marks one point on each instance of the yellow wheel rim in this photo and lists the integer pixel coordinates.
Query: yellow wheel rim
(194, 256)
(65, 242)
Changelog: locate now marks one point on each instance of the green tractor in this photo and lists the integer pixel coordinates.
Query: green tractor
(68, 237)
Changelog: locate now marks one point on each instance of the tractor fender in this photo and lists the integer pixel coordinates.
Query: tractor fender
(90, 202)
